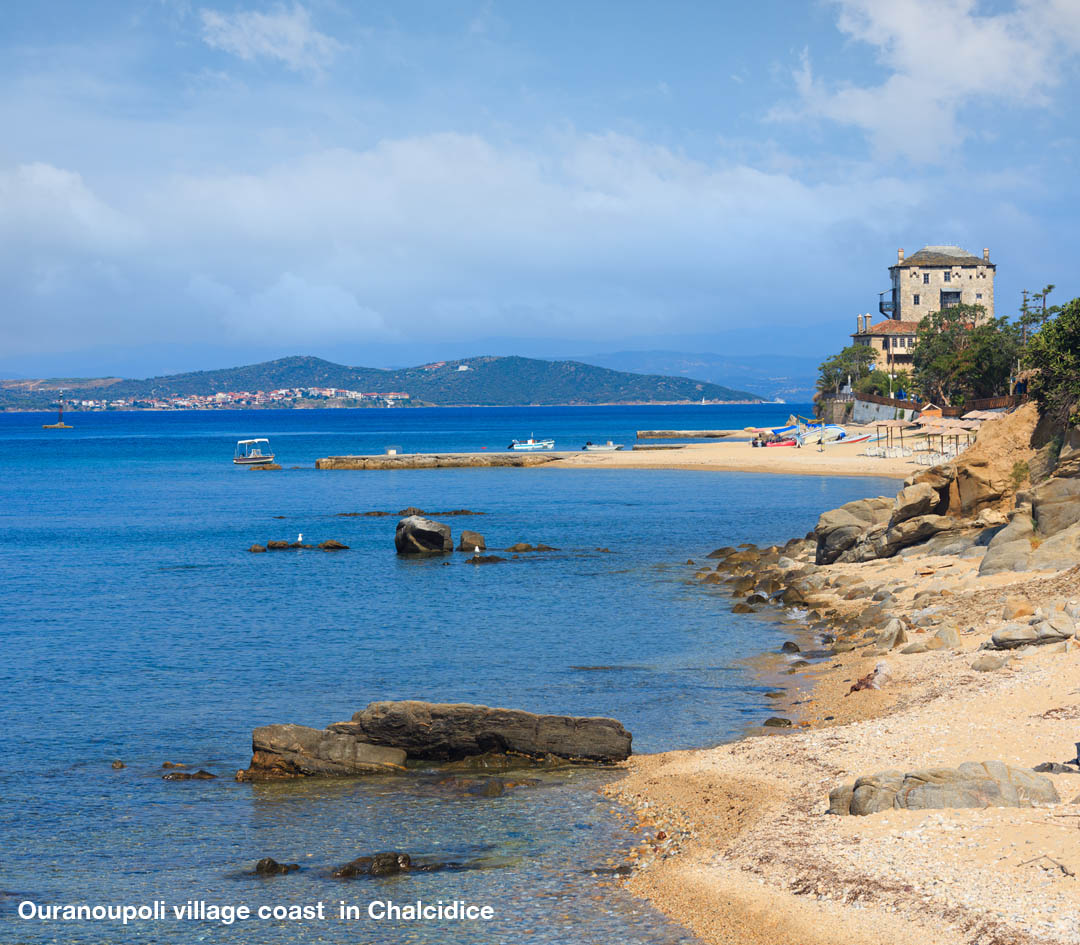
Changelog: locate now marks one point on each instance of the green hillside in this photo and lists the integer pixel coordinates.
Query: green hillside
(488, 381)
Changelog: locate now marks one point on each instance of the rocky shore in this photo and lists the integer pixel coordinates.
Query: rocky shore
(928, 787)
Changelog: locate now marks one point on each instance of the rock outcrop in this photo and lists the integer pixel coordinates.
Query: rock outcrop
(447, 731)
(292, 751)
(383, 736)
(838, 529)
(469, 541)
(989, 784)
(1039, 630)
(416, 535)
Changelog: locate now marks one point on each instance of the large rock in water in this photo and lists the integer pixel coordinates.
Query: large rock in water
(989, 784)
(293, 751)
(470, 541)
(416, 535)
(446, 732)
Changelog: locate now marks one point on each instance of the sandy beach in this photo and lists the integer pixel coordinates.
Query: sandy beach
(834, 459)
(737, 844)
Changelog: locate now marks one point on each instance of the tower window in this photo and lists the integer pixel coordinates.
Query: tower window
(948, 277)
(915, 299)
(926, 278)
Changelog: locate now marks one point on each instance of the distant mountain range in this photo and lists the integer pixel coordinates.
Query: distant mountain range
(492, 381)
(772, 377)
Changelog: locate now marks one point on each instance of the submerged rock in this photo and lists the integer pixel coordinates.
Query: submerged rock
(379, 864)
(271, 867)
(199, 775)
(331, 545)
(293, 751)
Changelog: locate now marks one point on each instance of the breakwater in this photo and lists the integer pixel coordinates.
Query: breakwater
(685, 434)
(437, 460)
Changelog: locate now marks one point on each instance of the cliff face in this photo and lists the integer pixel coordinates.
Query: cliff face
(990, 473)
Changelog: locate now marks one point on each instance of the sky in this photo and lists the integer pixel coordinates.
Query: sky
(189, 185)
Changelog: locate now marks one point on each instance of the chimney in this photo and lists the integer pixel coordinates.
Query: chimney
(858, 318)
(986, 255)
(899, 256)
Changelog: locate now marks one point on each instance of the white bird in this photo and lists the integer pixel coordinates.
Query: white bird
(299, 537)
(476, 551)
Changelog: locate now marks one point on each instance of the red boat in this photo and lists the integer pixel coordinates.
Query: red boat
(780, 443)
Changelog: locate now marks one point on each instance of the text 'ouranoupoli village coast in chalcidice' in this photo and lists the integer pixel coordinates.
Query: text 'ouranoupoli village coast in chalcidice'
(567, 474)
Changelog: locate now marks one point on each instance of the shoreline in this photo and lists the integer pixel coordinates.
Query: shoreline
(736, 844)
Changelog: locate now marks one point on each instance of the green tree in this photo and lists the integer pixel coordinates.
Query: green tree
(1054, 353)
(959, 357)
(852, 362)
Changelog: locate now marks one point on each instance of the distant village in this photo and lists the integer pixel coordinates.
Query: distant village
(283, 397)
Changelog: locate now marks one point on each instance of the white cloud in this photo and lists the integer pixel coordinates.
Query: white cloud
(450, 235)
(285, 35)
(941, 55)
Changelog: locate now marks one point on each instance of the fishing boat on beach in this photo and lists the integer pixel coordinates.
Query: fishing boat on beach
(608, 447)
(531, 444)
(253, 452)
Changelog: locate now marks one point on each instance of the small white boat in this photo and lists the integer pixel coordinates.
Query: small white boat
(816, 433)
(531, 444)
(253, 452)
(608, 447)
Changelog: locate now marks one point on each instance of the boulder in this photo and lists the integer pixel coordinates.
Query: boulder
(1053, 629)
(1016, 607)
(838, 529)
(416, 535)
(892, 634)
(483, 559)
(1068, 463)
(948, 637)
(986, 784)
(1058, 552)
(445, 731)
(1010, 548)
(1013, 635)
(257, 549)
(470, 541)
(914, 500)
(331, 545)
(293, 751)
(1055, 505)
(988, 662)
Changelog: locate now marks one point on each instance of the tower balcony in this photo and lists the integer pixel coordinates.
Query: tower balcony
(886, 305)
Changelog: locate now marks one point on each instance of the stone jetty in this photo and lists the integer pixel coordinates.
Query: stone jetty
(684, 434)
(438, 460)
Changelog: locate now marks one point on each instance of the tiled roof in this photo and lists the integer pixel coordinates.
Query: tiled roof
(892, 326)
(942, 256)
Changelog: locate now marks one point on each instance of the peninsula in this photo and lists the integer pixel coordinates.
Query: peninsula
(303, 381)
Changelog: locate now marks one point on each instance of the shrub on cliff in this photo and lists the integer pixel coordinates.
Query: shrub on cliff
(1054, 354)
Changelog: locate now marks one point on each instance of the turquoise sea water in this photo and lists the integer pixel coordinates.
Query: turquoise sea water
(136, 626)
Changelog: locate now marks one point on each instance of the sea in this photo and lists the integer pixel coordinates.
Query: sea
(137, 627)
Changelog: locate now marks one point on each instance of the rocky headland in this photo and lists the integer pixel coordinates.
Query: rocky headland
(934, 703)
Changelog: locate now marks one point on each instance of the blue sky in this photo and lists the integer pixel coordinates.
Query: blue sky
(192, 185)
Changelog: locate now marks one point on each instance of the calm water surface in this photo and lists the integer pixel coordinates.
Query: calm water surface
(135, 625)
